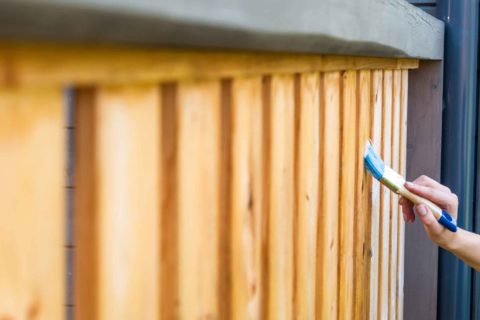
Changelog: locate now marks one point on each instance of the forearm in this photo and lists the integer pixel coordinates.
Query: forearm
(466, 246)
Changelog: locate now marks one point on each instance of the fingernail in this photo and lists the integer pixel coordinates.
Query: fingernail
(421, 210)
(409, 184)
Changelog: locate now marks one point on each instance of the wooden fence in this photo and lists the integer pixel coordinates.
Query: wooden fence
(207, 185)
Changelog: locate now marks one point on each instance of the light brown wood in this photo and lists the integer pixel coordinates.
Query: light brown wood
(247, 199)
(403, 171)
(362, 199)
(85, 206)
(328, 239)
(376, 136)
(31, 204)
(41, 64)
(307, 194)
(385, 203)
(169, 291)
(128, 201)
(394, 212)
(281, 198)
(208, 184)
(347, 194)
(198, 160)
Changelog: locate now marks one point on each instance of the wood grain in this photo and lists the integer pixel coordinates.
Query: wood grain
(329, 184)
(85, 205)
(394, 210)
(247, 199)
(31, 204)
(198, 212)
(281, 198)
(347, 194)
(308, 145)
(41, 64)
(385, 197)
(362, 233)
(128, 201)
(376, 136)
(402, 166)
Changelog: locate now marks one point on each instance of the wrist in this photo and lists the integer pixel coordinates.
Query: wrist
(452, 242)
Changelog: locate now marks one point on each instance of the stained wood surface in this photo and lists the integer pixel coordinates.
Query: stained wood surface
(198, 198)
(376, 136)
(281, 197)
(329, 192)
(247, 200)
(230, 195)
(31, 204)
(307, 184)
(348, 114)
(41, 64)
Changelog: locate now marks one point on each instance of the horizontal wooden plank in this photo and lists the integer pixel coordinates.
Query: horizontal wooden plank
(41, 64)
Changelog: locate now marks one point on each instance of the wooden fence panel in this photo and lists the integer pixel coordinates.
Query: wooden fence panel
(238, 194)
(31, 203)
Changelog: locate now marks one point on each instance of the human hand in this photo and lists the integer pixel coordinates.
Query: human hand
(437, 193)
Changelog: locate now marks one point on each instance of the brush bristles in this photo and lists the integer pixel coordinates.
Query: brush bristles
(373, 162)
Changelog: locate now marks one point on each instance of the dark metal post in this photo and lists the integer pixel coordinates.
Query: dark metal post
(458, 145)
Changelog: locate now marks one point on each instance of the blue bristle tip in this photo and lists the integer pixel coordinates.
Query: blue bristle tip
(373, 162)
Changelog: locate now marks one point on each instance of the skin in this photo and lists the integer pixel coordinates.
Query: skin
(463, 244)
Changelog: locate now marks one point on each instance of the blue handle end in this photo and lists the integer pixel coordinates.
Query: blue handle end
(448, 221)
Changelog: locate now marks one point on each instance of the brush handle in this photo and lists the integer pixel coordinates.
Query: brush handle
(443, 217)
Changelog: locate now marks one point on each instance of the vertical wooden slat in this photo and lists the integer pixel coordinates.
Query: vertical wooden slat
(327, 276)
(395, 143)
(376, 136)
(384, 272)
(307, 195)
(128, 201)
(247, 199)
(198, 212)
(224, 276)
(362, 203)
(402, 167)
(281, 198)
(169, 205)
(31, 204)
(347, 194)
(85, 201)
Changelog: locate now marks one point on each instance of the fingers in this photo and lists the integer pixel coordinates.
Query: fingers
(446, 200)
(432, 226)
(407, 209)
(426, 181)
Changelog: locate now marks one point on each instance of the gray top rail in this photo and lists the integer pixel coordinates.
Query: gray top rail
(388, 28)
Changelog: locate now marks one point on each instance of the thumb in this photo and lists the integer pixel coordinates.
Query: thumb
(428, 220)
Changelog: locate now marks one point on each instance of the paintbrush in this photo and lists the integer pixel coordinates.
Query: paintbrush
(395, 182)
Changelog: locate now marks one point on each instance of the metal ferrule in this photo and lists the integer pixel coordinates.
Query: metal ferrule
(392, 179)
